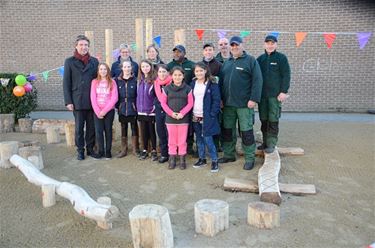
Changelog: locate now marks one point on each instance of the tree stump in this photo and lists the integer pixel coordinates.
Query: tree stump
(263, 215)
(53, 135)
(70, 134)
(6, 123)
(211, 216)
(104, 224)
(25, 125)
(151, 226)
(48, 195)
(7, 149)
(33, 154)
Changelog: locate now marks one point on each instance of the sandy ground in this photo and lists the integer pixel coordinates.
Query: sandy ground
(339, 160)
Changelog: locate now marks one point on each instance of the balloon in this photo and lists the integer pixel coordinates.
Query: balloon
(20, 80)
(19, 91)
(28, 87)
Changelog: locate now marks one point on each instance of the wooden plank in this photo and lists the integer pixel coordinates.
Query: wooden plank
(289, 151)
(242, 185)
(108, 46)
(148, 31)
(298, 189)
(139, 39)
(179, 37)
(90, 36)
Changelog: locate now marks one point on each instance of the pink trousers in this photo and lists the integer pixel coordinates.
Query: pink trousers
(177, 135)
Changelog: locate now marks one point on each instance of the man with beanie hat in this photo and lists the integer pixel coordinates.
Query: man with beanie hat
(276, 80)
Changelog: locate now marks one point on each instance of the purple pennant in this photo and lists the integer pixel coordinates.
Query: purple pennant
(116, 53)
(363, 38)
(221, 33)
(31, 77)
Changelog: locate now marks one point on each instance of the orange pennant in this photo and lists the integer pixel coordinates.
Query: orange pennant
(329, 39)
(199, 33)
(300, 36)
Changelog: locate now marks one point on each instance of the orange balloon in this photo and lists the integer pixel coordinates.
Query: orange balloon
(19, 91)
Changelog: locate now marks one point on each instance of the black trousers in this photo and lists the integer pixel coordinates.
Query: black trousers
(84, 118)
(104, 127)
(148, 131)
(125, 121)
(161, 130)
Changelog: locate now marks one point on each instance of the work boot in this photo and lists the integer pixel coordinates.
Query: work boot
(269, 150)
(135, 143)
(172, 162)
(248, 165)
(182, 162)
(225, 160)
(262, 147)
(124, 147)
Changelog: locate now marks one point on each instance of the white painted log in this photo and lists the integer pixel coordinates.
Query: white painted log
(105, 200)
(48, 195)
(33, 154)
(70, 134)
(285, 151)
(53, 135)
(268, 178)
(263, 215)
(211, 216)
(25, 125)
(151, 226)
(81, 201)
(7, 149)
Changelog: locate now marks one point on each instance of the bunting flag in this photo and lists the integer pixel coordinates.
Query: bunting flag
(329, 39)
(31, 77)
(244, 33)
(221, 33)
(157, 41)
(116, 53)
(300, 36)
(61, 71)
(275, 33)
(134, 46)
(199, 33)
(363, 38)
(45, 75)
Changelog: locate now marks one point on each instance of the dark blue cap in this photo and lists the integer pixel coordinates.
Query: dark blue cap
(235, 39)
(180, 48)
(270, 38)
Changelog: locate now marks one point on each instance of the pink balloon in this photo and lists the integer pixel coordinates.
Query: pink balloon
(28, 87)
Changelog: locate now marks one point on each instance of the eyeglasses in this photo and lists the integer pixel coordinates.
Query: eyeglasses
(223, 44)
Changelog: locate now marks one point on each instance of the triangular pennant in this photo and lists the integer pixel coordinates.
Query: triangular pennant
(275, 33)
(221, 33)
(61, 71)
(134, 46)
(116, 53)
(329, 39)
(244, 33)
(45, 75)
(31, 77)
(363, 38)
(300, 36)
(157, 41)
(199, 33)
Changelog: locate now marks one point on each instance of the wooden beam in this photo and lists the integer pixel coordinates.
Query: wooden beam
(108, 46)
(139, 39)
(148, 31)
(298, 189)
(179, 37)
(90, 35)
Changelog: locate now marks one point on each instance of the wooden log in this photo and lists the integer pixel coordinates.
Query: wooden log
(25, 125)
(268, 179)
(298, 189)
(105, 200)
(48, 195)
(108, 46)
(151, 226)
(242, 185)
(40, 125)
(26, 143)
(70, 134)
(263, 215)
(179, 37)
(139, 39)
(285, 151)
(148, 32)
(53, 135)
(6, 123)
(35, 152)
(211, 216)
(7, 150)
(78, 197)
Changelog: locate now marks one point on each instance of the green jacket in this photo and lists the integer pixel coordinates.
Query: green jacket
(240, 81)
(276, 73)
(188, 67)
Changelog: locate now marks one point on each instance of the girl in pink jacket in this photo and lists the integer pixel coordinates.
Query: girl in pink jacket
(103, 99)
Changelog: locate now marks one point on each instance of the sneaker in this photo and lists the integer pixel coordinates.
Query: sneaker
(200, 163)
(214, 166)
(224, 160)
(144, 155)
(108, 156)
(96, 156)
(154, 156)
(163, 159)
(248, 165)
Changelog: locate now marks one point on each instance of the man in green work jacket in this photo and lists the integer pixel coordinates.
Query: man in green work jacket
(276, 80)
(241, 86)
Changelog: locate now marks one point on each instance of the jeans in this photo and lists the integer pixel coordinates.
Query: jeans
(203, 141)
(104, 125)
(161, 130)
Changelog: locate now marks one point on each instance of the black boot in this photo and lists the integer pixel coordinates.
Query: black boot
(182, 162)
(172, 162)
(214, 166)
(81, 155)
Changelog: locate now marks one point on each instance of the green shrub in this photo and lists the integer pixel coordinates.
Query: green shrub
(9, 103)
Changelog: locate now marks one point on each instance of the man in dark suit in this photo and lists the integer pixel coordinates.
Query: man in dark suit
(79, 70)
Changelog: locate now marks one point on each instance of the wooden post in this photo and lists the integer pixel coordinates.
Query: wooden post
(7, 149)
(211, 216)
(268, 179)
(104, 224)
(70, 134)
(33, 154)
(148, 31)
(108, 46)
(263, 215)
(151, 226)
(139, 39)
(53, 135)
(6, 123)
(25, 125)
(90, 35)
(48, 195)
(179, 37)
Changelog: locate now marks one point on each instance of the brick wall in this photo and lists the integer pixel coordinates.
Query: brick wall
(38, 35)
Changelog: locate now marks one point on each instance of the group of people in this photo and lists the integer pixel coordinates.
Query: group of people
(182, 99)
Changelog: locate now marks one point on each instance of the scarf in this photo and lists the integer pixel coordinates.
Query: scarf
(159, 83)
(84, 58)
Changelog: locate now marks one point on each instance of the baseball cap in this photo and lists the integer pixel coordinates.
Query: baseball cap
(235, 39)
(270, 38)
(180, 48)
